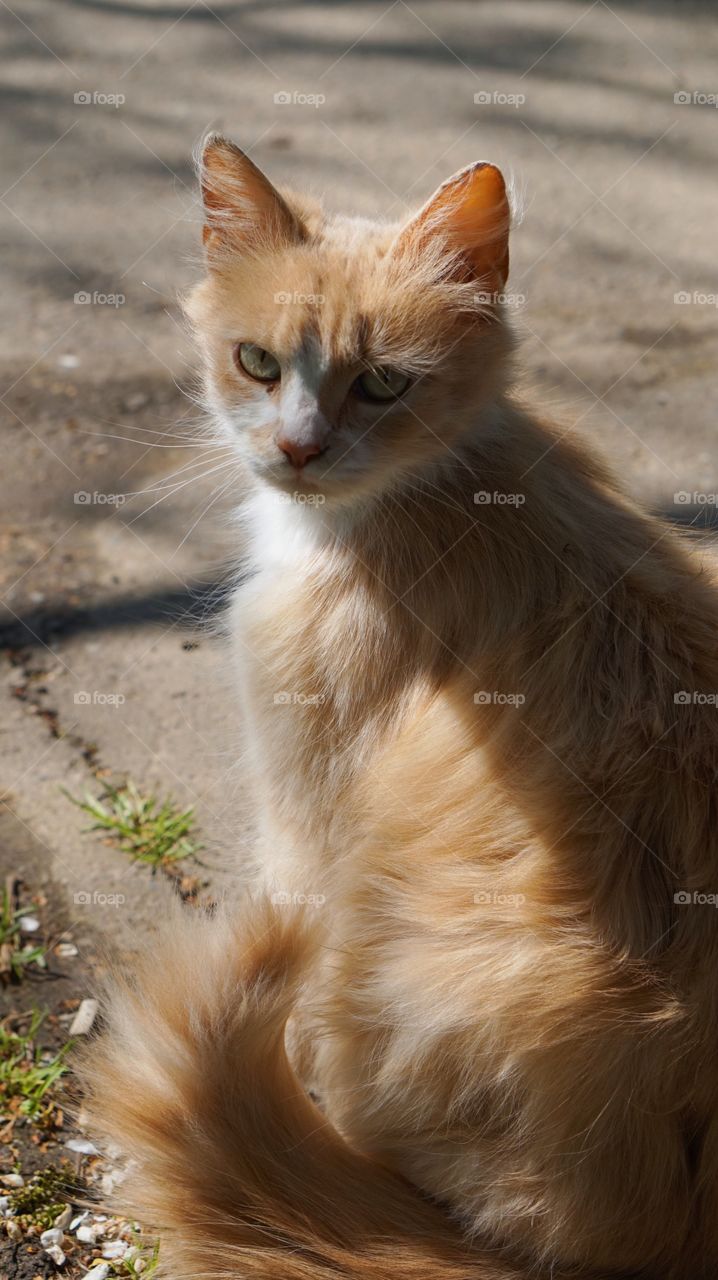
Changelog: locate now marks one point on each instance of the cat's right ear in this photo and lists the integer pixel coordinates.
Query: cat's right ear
(242, 209)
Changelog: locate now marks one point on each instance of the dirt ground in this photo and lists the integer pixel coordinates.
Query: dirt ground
(605, 118)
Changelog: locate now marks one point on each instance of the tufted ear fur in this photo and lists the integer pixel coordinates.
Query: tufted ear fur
(242, 208)
(470, 214)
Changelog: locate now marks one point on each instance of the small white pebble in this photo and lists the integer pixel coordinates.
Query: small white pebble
(77, 1222)
(100, 1272)
(29, 924)
(63, 1219)
(83, 1146)
(84, 1018)
(140, 1265)
(4, 1204)
(109, 1181)
(55, 1252)
(53, 1235)
(90, 1234)
(114, 1249)
(68, 362)
(136, 401)
(13, 1229)
(66, 949)
(13, 1180)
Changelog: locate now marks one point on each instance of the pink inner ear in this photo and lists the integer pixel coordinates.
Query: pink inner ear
(471, 214)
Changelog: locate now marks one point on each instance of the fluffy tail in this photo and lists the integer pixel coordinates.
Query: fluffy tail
(236, 1167)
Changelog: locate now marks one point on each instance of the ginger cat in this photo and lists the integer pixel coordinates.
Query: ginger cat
(473, 676)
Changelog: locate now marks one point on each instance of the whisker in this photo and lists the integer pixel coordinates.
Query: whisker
(220, 492)
(151, 444)
(171, 481)
(176, 489)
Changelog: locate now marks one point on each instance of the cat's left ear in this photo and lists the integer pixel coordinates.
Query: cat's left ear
(471, 215)
(242, 208)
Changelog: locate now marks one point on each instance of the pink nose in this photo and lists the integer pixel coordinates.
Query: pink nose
(298, 454)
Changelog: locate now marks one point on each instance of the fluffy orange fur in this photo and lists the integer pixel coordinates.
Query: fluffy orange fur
(470, 762)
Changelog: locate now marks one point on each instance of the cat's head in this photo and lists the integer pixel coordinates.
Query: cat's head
(341, 354)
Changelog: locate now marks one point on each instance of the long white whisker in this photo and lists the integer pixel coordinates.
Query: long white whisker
(171, 430)
(220, 492)
(172, 481)
(152, 444)
(176, 489)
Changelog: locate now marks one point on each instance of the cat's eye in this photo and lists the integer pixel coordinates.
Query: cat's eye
(382, 384)
(257, 362)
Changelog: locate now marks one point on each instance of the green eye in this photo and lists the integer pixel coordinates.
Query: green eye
(257, 362)
(382, 384)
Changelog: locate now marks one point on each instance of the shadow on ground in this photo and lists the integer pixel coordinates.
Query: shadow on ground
(201, 602)
(190, 608)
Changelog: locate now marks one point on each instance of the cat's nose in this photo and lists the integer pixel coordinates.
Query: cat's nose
(298, 453)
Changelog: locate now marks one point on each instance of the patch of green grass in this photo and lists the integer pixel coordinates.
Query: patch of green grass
(150, 1255)
(15, 957)
(44, 1197)
(28, 1073)
(149, 830)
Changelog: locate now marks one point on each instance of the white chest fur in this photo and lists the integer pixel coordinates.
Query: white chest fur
(284, 529)
(286, 690)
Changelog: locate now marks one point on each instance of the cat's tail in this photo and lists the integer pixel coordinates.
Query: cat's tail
(235, 1166)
